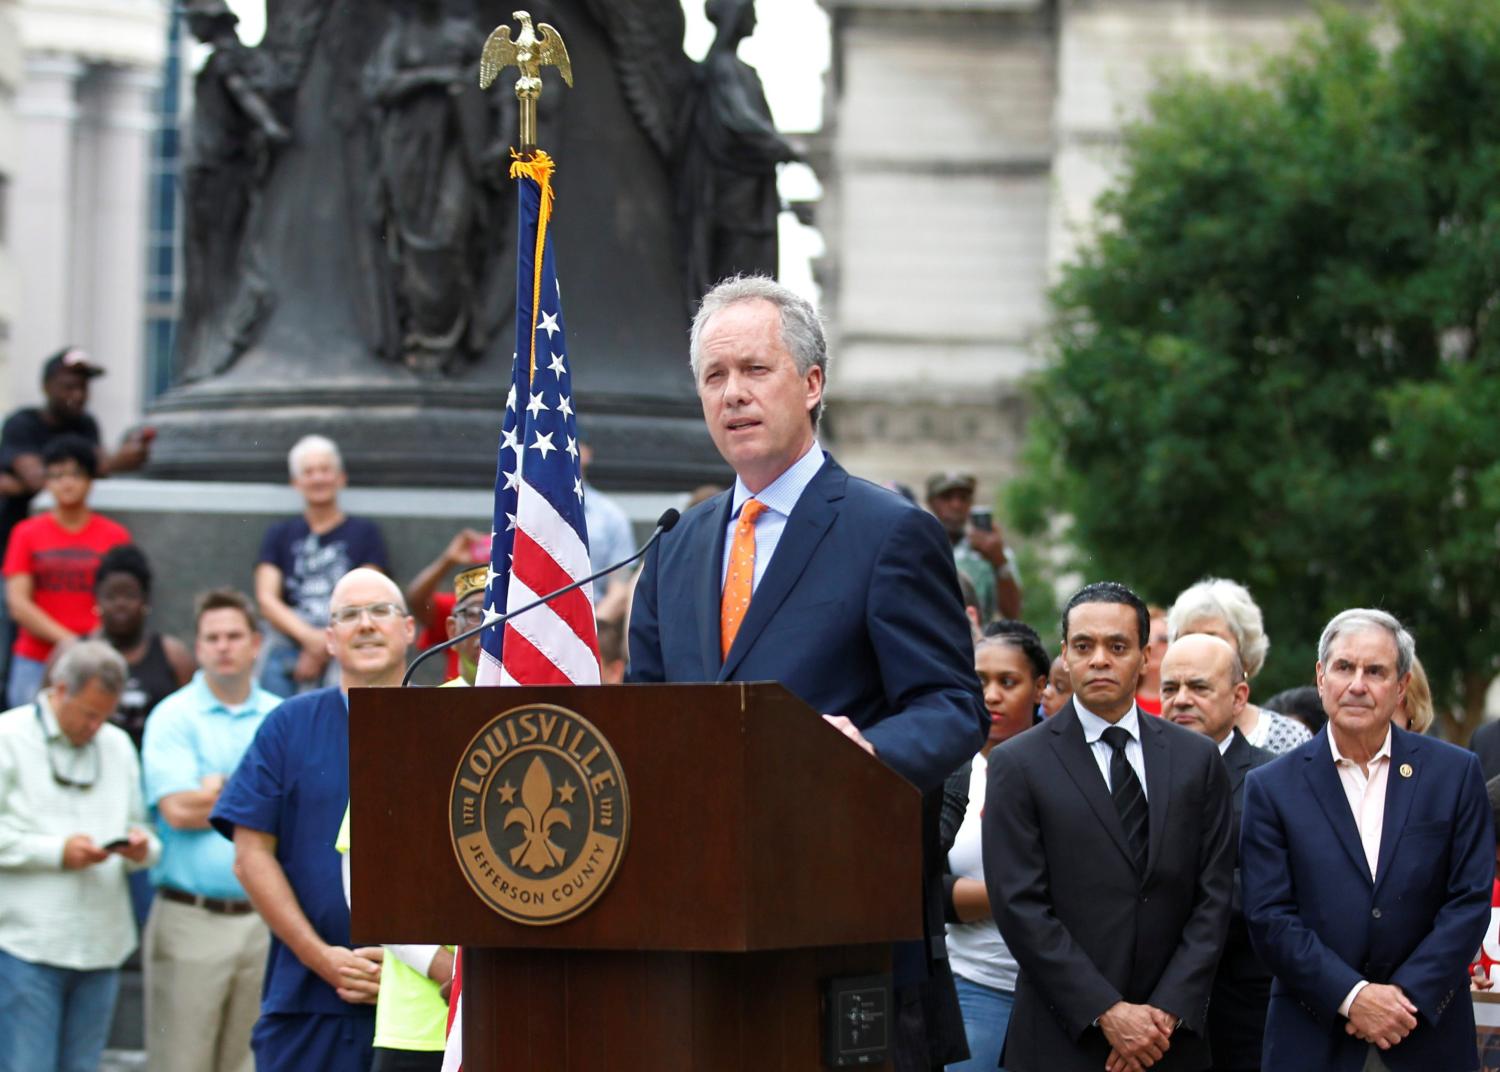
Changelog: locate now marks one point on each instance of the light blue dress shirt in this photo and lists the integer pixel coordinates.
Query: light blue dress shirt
(1093, 733)
(778, 497)
(190, 734)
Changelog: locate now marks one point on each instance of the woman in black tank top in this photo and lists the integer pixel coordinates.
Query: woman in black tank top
(159, 665)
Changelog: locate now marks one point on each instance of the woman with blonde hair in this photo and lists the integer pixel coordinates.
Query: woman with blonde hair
(1226, 610)
(1415, 711)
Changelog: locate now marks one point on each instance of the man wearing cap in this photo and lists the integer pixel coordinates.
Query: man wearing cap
(26, 433)
(979, 552)
(468, 611)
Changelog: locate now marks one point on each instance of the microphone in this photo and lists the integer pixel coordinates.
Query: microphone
(494, 618)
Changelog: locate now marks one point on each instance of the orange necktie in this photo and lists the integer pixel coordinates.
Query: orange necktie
(740, 579)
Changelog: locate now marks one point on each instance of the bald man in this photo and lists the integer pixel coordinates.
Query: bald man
(1203, 689)
(282, 809)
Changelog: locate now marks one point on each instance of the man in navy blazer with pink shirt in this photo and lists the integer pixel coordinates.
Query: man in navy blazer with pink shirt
(1366, 860)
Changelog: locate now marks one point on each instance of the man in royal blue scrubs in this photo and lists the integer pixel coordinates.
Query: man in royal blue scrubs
(282, 809)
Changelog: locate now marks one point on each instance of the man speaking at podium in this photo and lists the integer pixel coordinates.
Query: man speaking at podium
(840, 590)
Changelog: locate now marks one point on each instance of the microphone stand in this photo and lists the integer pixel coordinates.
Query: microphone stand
(494, 618)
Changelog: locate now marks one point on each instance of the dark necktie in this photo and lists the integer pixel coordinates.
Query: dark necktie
(1129, 797)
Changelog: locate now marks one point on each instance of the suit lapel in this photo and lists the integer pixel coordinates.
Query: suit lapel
(805, 528)
(1078, 760)
(1323, 778)
(710, 588)
(1399, 792)
(1158, 756)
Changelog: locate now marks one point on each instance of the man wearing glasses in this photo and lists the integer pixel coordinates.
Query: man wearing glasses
(72, 824)
(282, 809)
(468, 611)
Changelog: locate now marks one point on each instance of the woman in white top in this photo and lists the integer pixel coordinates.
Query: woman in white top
(1225, 609)
(1012, 666)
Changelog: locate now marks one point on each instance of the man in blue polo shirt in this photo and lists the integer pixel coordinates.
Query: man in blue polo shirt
(283, 808)
(204, 949)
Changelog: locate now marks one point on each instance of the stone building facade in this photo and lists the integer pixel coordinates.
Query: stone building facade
(89, 72)
(10, 160)
(964, 145)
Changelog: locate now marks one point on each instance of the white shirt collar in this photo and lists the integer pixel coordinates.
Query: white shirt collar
(1383, 752)
(1226, 742)
(782, 493)
(1094, 726)
(51, 730)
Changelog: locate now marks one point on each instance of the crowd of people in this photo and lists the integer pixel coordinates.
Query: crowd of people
(1139, 866)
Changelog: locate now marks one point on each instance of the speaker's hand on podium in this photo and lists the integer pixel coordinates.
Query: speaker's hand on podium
(849, 730)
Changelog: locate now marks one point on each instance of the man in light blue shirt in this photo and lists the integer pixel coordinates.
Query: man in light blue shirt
(205, 946)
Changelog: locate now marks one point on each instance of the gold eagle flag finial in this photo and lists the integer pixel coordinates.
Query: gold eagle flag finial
(528, 53)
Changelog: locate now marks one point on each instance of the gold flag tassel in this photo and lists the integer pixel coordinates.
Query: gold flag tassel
(537, 167)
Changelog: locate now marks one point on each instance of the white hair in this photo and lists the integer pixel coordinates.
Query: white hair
(311, 446)
(1214, 597)
(1361, 619)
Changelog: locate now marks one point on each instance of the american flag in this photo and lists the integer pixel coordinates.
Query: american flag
(540, 542)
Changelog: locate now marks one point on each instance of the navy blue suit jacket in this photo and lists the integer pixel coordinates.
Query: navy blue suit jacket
(858, 614)
(1321, 925)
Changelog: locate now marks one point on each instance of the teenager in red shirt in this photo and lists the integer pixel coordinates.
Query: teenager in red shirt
(50, 564)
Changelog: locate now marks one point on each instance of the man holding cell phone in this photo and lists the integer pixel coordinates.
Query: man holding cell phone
(979, 549)
(72, 824)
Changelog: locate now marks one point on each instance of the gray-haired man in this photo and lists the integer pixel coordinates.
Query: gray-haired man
(71, 825)
(1366, 864)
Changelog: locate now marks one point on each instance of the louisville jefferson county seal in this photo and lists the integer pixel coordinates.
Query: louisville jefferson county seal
(540, 814)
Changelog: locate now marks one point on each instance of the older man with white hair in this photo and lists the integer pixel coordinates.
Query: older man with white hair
(301, 559)
(282, 809)
(1366, 863)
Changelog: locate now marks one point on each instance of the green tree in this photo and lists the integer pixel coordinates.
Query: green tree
(1277, 359)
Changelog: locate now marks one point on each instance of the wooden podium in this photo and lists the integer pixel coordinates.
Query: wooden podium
(765, 856)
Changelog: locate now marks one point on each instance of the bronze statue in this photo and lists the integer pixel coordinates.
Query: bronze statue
(235, 132)
(436, 156)
(727, 202)
(350, 233)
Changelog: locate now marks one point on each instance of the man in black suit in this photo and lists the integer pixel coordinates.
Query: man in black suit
(1109, 863)
(1203, 688)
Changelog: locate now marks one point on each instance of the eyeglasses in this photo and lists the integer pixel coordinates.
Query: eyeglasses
(69, 780)
(378, 612)
(469, 617)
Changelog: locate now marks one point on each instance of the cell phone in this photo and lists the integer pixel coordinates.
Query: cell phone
(479, 550)
(116, 845)
(982, 517)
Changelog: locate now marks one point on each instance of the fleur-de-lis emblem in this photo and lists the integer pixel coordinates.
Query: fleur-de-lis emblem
(537, 818)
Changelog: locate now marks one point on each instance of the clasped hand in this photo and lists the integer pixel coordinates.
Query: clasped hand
(353, 973)
(1139, 1036)
(1381, 1015)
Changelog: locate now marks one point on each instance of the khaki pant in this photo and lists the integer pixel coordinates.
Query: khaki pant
(203, 972)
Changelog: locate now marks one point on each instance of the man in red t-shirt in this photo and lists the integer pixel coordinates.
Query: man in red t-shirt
(50, 564)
